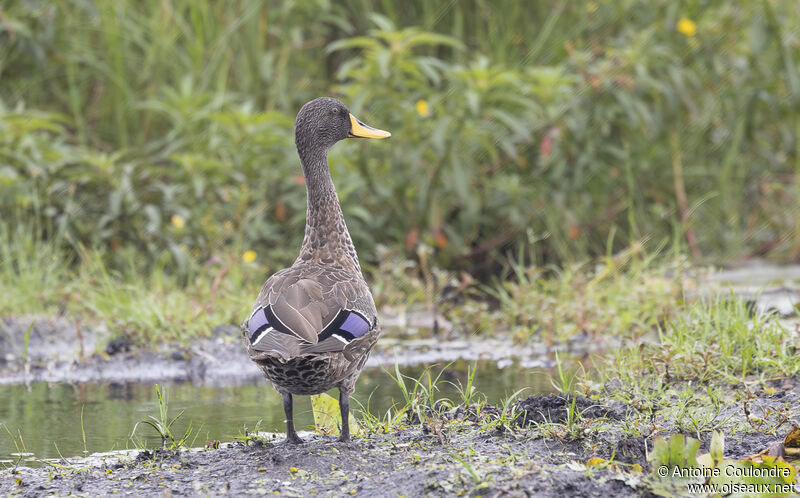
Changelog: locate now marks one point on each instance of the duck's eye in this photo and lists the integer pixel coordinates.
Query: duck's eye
(335, 111)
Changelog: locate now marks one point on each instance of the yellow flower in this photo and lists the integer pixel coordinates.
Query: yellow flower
(687, 27)
(177, 221)
(249, 256)
(422, 108)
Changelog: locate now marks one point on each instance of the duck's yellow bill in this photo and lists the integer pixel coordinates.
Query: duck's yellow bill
(360, 130)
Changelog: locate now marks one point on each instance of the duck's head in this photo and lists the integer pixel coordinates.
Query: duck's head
(324, 121)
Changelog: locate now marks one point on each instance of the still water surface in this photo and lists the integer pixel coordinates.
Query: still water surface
(46, 418)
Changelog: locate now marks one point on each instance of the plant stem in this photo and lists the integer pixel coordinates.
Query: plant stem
(680, 196)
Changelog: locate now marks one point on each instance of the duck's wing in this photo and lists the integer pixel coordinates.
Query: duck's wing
(311, 309)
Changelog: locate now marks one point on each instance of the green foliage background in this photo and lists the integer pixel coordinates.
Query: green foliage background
(570, 127)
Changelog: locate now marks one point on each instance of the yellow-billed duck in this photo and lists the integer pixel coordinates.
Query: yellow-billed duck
(314, 324)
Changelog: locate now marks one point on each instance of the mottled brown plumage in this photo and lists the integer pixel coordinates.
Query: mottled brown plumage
(314, 324)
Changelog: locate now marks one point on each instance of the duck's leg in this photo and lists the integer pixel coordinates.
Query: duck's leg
(344, 408)
(291, 434)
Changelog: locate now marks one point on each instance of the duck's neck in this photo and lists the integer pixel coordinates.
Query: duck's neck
(326, 240)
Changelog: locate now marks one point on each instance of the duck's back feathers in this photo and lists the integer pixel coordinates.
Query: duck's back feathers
(311, 309)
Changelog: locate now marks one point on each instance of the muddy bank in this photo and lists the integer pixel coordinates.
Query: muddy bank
(455, 450)
(406, 463)
(766, 286)
(61, 350)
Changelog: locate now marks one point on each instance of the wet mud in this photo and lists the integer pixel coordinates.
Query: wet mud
(452, 451)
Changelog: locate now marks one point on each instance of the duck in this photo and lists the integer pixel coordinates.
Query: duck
(314, 324)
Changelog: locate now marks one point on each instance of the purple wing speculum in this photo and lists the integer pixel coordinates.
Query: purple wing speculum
(346, 326)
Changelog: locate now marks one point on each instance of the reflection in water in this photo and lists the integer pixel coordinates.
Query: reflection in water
(46, 418)
(121, 391)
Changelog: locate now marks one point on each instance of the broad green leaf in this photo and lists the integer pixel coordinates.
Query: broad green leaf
(327, 417)
(364, 42)
(678, 453)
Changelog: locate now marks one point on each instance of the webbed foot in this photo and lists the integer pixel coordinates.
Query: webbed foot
(293, 438)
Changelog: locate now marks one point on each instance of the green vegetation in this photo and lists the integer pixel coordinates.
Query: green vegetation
(160, 133)
(627, 294)
(715, 354)
(712, 355)
(150, 180)
(39, 277)
(162, 425)
(624, 295)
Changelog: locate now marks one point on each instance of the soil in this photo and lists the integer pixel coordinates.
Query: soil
(446, 454)
(406, 463)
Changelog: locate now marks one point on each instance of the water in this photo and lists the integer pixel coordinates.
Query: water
(46, 418)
